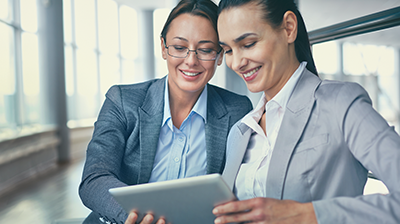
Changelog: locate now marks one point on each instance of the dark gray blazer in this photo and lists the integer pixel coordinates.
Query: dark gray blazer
(125, 138)
(329, 138)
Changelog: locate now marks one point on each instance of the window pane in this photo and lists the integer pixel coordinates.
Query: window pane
(4, 9)
(160, 16)
(129, 32)
(326, 57)
(67, 21)
(87, 79)
(30, 74)
(29, 15)
(318, 14)
(30, 64)
(108, 26)
(85, 26)
(7, 76)
(109, 73)
(128, 71)
(69, 71)
(86, 104)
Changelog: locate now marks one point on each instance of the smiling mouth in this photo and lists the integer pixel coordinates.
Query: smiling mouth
(190, 73)
(250, 73)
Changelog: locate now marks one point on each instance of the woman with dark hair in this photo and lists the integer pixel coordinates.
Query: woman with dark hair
(303, 154)
(163, 129)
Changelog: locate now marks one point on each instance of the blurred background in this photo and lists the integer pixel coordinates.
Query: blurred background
(59, 57)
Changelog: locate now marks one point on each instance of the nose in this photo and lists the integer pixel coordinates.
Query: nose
(238, 62)
(192, 59)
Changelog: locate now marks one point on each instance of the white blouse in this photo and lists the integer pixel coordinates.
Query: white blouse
(252, 177)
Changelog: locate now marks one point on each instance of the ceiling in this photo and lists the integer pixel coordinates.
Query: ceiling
(318, 14)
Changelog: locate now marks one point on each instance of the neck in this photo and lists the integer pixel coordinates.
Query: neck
(291, 66)
(180, 105)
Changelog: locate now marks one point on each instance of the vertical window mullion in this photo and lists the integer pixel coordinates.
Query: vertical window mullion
(19, 96)
(120, 58)
(97, 51)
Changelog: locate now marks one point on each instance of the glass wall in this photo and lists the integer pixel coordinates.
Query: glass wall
(100, 51)
(19, 67)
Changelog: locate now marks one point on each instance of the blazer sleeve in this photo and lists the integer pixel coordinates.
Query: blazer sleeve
(377, 147)
(103, 160)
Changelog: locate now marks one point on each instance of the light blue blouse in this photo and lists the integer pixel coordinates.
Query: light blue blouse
(181, 152)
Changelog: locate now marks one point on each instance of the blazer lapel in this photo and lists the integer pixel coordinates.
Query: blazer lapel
(150, 118)
(216, 128)
(237, 144)
(295, 119)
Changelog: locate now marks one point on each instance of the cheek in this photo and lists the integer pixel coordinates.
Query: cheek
(228, 61)
(173, 62)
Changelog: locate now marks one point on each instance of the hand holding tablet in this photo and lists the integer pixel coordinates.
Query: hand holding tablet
(188, 200)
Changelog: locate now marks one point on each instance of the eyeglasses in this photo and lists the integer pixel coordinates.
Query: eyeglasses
(204, 54)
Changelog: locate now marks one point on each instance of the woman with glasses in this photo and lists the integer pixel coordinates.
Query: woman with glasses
(163, 129)
(303, 154)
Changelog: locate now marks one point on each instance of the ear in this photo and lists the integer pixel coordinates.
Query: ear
(290, 26)
(220, 57)
(163, 49)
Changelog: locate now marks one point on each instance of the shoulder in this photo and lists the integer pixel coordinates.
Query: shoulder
(340, 96)
(134, 93)
(340, 91)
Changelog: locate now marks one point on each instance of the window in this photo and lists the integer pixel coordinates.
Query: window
(100, 51)
(19, 63)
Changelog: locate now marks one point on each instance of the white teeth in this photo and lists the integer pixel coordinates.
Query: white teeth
(251, 72)
(190, 74)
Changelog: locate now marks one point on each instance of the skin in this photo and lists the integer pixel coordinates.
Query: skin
(252, 43)
(192, 32)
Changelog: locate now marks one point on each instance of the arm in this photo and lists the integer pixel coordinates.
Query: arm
(103, 161)
(377, 147)
(265, 210)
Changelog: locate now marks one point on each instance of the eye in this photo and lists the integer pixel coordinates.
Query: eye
(205, 50)
(250, 45)
(179, 48)
(227, 51)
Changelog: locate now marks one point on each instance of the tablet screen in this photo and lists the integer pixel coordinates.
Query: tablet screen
(188, 200)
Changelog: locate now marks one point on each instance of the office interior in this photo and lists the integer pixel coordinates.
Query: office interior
(59, 57)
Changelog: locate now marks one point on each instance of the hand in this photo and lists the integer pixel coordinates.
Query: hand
(265, 210)
(148, 219)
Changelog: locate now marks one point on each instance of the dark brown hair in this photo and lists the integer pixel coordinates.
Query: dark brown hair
(274, 10)
(204, 8)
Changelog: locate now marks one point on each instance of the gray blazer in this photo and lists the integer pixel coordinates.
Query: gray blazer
(329, 138)
(125, 139)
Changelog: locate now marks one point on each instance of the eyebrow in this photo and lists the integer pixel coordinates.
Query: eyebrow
(242, 37)
(200, 42)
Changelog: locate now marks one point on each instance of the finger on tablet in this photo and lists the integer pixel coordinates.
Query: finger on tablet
(131, 218)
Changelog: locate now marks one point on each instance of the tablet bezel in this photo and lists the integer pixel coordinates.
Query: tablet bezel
(187, 200)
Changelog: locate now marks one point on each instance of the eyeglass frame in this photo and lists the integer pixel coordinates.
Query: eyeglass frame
(195, 51)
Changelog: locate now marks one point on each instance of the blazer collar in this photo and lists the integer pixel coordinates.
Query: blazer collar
(238, 139)
(216, 128)
(294, 121)
(150, 118)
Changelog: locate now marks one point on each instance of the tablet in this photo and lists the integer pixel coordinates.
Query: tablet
(188, 200)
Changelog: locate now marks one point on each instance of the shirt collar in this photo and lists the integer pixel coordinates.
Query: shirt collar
(281, 98)
(200, 107)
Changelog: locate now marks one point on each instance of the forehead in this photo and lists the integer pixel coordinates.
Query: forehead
(235, 21)
(192, 28)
